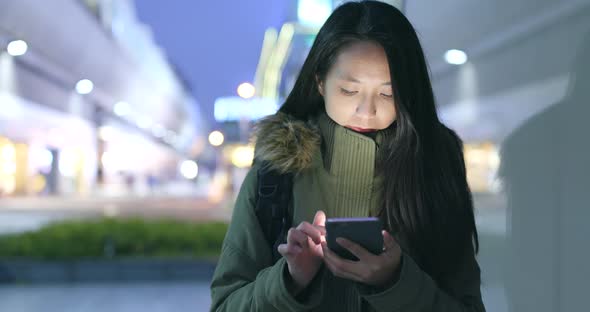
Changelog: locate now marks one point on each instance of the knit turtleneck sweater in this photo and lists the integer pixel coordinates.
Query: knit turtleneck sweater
(344, 171)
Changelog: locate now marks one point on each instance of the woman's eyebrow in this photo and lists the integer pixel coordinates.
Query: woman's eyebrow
(349, 78)
(352, 79)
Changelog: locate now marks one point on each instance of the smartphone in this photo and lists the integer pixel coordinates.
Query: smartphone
(363, 231)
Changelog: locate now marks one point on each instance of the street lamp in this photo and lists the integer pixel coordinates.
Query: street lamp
(189, 169)
(456, 57)
(216, 138)
(246, 90)
(84, 86)
(17, 48)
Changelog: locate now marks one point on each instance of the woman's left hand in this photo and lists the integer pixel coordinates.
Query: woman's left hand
(371, 269)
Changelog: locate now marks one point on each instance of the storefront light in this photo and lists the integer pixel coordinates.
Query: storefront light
(107, 160)
(42, 158)
(8, 152)
(8, 167)
(68, 162)
(106, 133)
(243, 156)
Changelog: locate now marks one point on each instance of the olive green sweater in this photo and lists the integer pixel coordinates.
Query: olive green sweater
(338, 177)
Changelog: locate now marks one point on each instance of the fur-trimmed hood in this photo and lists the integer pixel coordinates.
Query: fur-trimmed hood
(287, 144)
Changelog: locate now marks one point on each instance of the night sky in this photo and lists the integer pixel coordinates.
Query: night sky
(215, 44)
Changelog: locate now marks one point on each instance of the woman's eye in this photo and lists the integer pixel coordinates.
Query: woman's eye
(347, 92)
(389, 96)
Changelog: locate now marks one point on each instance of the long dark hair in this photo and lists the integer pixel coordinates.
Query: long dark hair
(427, 200)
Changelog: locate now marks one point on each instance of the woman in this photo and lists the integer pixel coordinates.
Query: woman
(361, 136)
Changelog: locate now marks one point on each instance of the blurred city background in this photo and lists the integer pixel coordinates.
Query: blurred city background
(125, 126)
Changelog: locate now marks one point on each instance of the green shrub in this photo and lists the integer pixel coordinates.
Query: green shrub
(118, 238)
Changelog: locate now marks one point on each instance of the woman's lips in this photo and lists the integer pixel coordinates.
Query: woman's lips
(362, 130)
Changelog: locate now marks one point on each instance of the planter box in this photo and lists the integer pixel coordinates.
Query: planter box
(124, 270)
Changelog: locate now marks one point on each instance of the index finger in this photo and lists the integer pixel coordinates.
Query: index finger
(320, 218)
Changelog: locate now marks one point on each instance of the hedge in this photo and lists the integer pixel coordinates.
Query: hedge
(116, 238)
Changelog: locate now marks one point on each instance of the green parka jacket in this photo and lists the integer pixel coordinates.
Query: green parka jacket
(335, 172)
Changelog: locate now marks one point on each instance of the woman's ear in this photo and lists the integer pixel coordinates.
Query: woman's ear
(320, 85)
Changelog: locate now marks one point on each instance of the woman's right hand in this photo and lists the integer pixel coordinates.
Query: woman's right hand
(303, 250)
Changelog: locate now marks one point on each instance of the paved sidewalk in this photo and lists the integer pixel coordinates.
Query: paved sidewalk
(143, 297)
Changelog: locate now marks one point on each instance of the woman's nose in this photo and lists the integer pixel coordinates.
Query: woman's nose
(366, 107)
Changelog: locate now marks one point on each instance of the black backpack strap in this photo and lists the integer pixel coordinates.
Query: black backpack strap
(273, 199)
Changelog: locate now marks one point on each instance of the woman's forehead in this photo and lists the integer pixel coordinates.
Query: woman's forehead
(361, 62)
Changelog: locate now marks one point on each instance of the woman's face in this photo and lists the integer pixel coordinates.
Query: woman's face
(357, 90)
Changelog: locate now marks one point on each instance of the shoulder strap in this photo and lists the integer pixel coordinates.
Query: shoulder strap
(273, 198)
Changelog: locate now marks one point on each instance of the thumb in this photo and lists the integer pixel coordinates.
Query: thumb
(320, 218)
